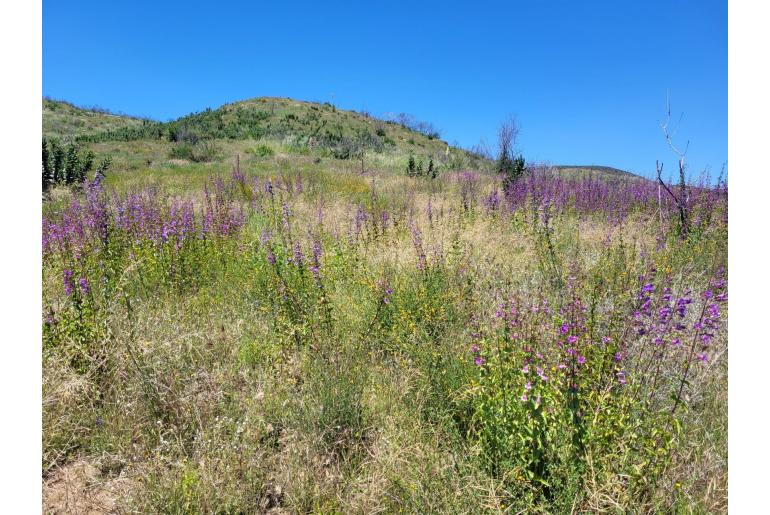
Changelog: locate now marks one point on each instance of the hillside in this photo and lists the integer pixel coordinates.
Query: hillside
(317, 125)
(64, 120)
(302, 123)
(266, 134)
(268, 131)
(597, 171)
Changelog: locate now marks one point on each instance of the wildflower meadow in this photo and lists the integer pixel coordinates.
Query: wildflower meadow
(297, 339)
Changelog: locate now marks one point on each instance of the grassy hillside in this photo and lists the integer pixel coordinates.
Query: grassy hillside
(317, 125)
(291, 332)
(266, 133)
(595, 171)
(306, 125)
(65, 120)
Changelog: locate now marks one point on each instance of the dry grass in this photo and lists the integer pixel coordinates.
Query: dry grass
(195, 403)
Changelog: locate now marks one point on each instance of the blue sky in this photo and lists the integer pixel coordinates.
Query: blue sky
(587, 81)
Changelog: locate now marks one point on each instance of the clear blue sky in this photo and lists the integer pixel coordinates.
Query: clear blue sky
(586, 80)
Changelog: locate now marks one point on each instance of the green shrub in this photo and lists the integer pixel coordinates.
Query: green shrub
(203, 151)
(411, 167)
(67, 165)
(261, 151)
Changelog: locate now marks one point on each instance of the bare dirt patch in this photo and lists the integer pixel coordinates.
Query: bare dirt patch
(81, 488)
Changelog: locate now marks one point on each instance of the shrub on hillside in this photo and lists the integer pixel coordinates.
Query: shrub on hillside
(201, 152)
(261, 151)
(509, 166)
(64, 164)
(411, 167)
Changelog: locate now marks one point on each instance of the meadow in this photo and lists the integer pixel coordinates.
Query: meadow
(292, 331)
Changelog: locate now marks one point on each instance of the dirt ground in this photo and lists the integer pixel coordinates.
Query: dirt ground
(81, 488)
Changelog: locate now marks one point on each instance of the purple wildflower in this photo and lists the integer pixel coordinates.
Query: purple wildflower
(67, 277)
(298, 256)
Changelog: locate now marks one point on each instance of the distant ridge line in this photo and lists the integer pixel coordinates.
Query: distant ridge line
(598, 168)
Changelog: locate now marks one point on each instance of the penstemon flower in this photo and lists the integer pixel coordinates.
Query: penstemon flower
(67, 277)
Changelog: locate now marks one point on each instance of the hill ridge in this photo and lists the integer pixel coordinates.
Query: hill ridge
(343, 132)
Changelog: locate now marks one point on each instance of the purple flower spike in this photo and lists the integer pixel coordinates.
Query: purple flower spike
(67, 276)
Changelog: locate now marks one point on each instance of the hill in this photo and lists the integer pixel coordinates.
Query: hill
(64, 120)
(269, 135)
(310, 124)
(598, 171)
(315, 124)
(263, 127)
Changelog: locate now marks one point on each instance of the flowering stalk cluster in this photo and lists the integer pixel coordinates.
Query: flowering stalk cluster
(139, 218)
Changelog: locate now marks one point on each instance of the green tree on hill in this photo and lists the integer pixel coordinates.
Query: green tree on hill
(47, 168)
(411, 167)
(432, 171)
